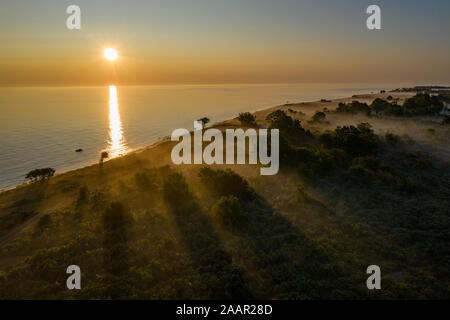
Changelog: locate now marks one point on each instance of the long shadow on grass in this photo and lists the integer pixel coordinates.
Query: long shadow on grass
(220, 278)
(294, 266)
(116, 252)
(22, 211)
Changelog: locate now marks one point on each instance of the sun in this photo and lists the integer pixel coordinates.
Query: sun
(110, 54)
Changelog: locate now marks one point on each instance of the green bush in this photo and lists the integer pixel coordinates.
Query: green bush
(353, 107)
(394, 110)
(379, 106)
(319, 116)
(176, 192)
(355, 140)
(422, 104)
(290, 129)
(40, 174)
(228, 210)
(246, 118)
(225, 182)
(367, 169)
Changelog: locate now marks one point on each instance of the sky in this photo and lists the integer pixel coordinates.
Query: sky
(223, 41)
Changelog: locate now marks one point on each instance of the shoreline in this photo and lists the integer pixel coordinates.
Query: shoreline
(260, 115)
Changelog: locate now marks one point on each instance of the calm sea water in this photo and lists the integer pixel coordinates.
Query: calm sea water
(42, 127)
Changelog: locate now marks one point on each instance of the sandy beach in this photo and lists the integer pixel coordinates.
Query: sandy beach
(304, 111)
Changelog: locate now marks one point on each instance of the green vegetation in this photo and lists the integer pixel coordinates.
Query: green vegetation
(228, 210)
(319, 117)
(247, 119)
(379, 106)
(225, 182)
(422, 104)
(353, 107)
(344, 199)
(291, 130)
(40, 174)
(419, 105)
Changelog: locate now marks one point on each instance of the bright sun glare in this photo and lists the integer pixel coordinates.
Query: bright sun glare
(110, 54)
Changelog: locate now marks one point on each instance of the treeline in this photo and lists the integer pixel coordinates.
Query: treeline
(385, 186)
(205, 233)
(419, 105)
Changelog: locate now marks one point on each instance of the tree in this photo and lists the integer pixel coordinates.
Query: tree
(204, 121)
(246, 118)
(225, 182)
(228, 209)
(40, 174)
(291, 129)
(353, 107)
(379, 105)
(422, 104)
(355, 140)
(394, 110)
(319, 116)
(103, 155)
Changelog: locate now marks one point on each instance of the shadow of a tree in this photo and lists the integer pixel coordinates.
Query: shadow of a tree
(220, 278)
(295, 267)
(116, 253)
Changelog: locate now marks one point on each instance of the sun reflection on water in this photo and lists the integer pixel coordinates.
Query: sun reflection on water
(116, 143)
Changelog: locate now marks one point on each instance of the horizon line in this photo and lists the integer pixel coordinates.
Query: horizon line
(410, 83)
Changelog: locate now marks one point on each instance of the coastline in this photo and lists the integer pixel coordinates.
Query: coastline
(306, 107)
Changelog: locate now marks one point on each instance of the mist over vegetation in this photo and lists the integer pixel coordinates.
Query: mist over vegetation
(360, 184)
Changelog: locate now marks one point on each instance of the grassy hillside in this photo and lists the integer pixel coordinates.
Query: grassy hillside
(347, 196)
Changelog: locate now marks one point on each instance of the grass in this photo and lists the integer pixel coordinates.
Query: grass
(309, 232)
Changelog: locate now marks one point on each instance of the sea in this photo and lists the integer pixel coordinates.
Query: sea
(43, 127)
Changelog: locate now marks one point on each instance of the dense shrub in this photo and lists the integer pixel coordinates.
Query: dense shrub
(369, 169)
(319, 116)
(321, 161)
(246, 118)
(225, 182)
(228, 210)
(394, 110)
(379, 106)
(422, 104)
(355, 140)
(353, 107)
(40, 174)
(290, 129)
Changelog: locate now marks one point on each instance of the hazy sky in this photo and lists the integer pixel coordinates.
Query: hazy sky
(226, 41)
